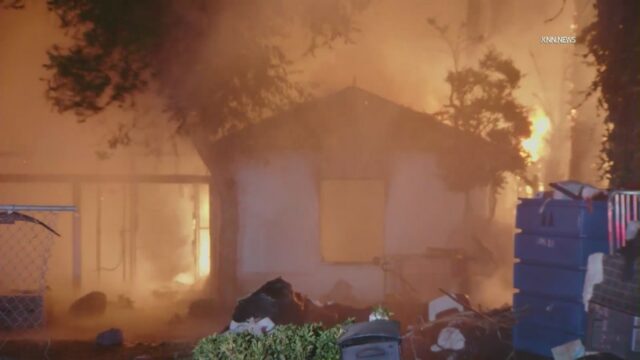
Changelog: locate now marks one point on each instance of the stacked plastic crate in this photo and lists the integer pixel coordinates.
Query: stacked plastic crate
(555, 240)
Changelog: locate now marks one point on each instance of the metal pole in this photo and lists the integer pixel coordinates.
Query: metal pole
(99, 232)
(617, 220)
(623, 220)
(10, 208)
(133, 219)
(76, 247)
(610, 224)
(196, 229)
(123, 234)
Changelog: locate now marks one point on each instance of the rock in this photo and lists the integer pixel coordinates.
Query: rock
(111, 337)
(92, 304)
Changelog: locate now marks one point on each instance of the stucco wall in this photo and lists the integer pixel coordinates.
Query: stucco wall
(279, 231)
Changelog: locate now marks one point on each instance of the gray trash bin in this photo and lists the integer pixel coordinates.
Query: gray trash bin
(374, 340)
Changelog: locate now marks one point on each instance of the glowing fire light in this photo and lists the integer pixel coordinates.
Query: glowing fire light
(204, 255)
(185, 278)
(540, 126)
(202, 266)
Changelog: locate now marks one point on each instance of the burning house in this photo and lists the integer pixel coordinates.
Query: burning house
(328, 190)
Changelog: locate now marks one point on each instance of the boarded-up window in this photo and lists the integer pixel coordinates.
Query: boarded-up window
(352, 220)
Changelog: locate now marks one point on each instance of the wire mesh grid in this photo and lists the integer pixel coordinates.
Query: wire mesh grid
(25, 248)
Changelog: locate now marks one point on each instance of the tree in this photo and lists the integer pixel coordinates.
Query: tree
(218, 65)
(482, 105)
(613, 43)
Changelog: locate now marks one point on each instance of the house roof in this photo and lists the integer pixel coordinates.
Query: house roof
(357, 115)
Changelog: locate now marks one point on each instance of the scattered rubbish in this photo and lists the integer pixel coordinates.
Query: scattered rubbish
(111, 337)
(252, 326)
(569, 351)
(615, 291)
(631, 250)
(445, 305)
(277, 301)
(595, 275)
(574, 190)
(612, 298)
(379, 339)
(467, 334)
(89, 305)
(613, 332)
(380, 313)
(449, 338)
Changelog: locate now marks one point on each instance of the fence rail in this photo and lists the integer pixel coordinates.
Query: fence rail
(63, 208)
(27, 236)
(623, 208)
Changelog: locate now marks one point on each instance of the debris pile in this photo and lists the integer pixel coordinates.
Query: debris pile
(277, 301)
(465, 333)
(454, 329)
(90, 305)
(111, 337)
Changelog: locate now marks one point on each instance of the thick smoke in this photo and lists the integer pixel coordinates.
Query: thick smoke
(395, 55)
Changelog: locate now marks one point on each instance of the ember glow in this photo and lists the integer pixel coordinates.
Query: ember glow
(204, 254)
(185, 278)
(540, 126)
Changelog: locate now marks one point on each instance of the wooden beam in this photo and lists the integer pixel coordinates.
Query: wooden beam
(107, 178)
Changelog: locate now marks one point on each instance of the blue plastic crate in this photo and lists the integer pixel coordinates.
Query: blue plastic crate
(539, 339)
(548, 280)
(552, 312)
(562, 251)
(567, 218)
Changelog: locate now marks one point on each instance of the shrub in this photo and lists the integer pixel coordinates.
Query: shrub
(284, 342)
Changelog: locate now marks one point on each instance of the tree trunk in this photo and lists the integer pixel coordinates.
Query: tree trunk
(223, 221)
(224, 236)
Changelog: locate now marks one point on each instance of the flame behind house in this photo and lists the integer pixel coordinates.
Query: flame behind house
(536, 144)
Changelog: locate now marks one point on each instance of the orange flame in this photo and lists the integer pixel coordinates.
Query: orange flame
(540, 126)
(204, 254)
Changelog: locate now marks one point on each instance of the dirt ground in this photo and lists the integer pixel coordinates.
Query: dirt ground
(81, 350)
(146, 336)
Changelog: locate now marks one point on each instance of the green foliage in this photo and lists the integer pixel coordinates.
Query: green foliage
(218, 64)
(285, 342)
(482, 104)
(381, 312)
(613, 41)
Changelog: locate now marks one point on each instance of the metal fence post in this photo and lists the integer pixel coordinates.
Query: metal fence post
(76, 247)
